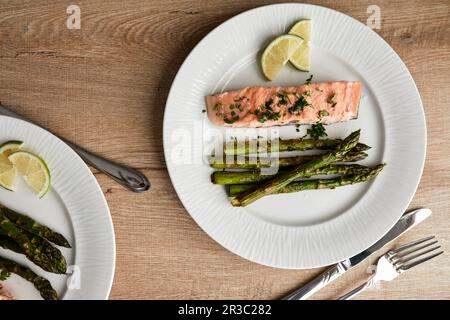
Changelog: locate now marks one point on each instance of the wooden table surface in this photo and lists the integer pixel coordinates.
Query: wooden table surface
(105, 86)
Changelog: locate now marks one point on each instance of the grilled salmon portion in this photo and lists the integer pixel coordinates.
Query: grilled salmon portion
(253, 107)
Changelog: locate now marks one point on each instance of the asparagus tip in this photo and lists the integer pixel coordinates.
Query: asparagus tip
(235, 202)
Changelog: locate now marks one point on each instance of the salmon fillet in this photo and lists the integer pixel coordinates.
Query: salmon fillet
(253, 107)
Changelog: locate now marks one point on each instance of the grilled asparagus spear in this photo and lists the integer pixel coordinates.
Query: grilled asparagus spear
(40, 283)
(37, 249)
(254, 164)
(314, 184)
(34, 227)
(9, 244)
(283, 179)
(229, 177)
(249, 147)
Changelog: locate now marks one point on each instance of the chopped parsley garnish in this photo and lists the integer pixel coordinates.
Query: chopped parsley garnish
(232, 120)
(268, 115)
(308, 93)
(232, 107)
(274, 116)
(308, 81)
(4, 275)
(316, 131)
(263, 118)
(299, 105)
(240, 99)
(266, 112)
(217, 106)
(268, 103)
(233, 113)
(323, 113)
(332, 101)
(283, 98)
(297, 126)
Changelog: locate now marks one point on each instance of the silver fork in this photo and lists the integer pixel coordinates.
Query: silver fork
(397, 261)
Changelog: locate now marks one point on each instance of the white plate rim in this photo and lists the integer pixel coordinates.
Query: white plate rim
(422, 129)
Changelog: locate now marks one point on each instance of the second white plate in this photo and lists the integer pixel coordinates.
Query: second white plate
(74, 206)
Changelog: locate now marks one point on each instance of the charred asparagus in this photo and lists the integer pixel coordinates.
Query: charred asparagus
(256, 146)
(314, 184)
(40, 283)
(258, 163)
(283, 179)
(246, 177)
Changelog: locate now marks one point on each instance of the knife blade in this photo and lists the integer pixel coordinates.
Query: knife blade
(406, 222)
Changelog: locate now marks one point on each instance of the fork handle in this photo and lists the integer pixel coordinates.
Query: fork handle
(358, 290)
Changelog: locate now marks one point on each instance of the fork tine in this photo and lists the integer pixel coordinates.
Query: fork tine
(412, 250)
(415, 263)
(411, 244)
(410, 256)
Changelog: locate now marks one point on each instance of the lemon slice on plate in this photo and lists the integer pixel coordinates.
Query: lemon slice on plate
(277, 53)
(8, 172)
(301, 57)
(33, 169)
(302, 29)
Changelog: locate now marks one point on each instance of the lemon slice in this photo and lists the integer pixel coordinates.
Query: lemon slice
(8, 172)
(277, 53)
(301, 57)
(302, 29)
(33, 169)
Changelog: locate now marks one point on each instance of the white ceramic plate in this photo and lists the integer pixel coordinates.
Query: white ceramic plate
(312, 228)
(75, 206)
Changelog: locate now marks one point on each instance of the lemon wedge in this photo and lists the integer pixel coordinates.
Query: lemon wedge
(34, 171)
(278, 53)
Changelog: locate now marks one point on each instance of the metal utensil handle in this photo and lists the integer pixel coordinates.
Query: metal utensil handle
(317, 283)
(128, 177)
(359, 289)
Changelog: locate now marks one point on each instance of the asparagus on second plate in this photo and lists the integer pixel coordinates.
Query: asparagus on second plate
(41, 284)
(34, 227)
(37, 249)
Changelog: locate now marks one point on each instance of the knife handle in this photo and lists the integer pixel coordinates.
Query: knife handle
(127, 177)
(318, 283)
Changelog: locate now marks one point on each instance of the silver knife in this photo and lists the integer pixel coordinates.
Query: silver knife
(406, 222)
(128, 177)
